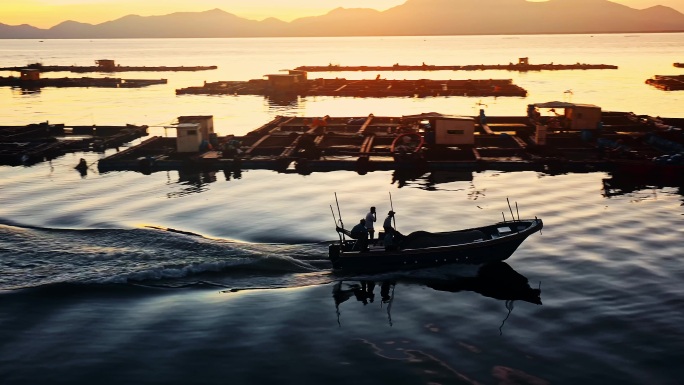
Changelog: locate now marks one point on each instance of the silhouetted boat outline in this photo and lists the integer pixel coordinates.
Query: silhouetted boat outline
(420, 249)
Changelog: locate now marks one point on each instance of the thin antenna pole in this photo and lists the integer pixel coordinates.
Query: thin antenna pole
(509, 207)
(340, 214)
(504, 217)
(394, 219)
(338, 211)
(516, 211)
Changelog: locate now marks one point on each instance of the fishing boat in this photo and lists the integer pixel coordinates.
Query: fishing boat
(420, 249)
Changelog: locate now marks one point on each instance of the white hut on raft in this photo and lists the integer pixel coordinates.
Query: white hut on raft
(191, 131)
(575, 117)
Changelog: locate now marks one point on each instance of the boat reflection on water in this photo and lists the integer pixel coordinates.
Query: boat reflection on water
(364, 292)
(496, 280)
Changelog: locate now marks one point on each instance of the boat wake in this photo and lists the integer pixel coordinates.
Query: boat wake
(34, 257)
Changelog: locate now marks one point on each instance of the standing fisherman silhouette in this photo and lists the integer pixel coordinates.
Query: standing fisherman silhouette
(370, 218)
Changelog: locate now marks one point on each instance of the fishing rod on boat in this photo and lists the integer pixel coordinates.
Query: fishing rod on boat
(340, 214)
(394, 219)
(509, 207)
(333, 214)
(516, 211)
(335, 221)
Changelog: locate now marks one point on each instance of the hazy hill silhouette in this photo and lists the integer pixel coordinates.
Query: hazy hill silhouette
(415, 17)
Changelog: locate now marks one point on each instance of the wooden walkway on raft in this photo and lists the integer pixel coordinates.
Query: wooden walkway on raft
(375, 88)
(33, 143)
(78, 82)
(473, 67)
(363, 144)
(667, 82)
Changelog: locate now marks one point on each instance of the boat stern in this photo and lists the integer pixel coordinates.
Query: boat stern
(334, 252)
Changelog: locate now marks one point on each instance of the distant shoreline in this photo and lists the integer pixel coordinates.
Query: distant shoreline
(413, 18)
(342, 36)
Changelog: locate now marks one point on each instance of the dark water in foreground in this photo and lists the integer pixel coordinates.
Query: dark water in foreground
(149, 306)
(408, 333)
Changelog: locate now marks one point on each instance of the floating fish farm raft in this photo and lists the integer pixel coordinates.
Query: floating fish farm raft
(297, 84)
(583, 138)
(667, 82)
(26, 145)
(522, 66)
(106, 66)
(24, 83)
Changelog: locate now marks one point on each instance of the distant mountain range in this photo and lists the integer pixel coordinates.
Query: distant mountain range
(413, 18)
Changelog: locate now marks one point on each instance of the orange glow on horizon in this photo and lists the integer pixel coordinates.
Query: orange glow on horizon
(48, 13)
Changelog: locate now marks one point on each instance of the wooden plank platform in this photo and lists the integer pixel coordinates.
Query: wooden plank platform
(376, 88)
(362, 144)
(23, 145)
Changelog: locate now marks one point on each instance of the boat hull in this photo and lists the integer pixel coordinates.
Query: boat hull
(475, 253)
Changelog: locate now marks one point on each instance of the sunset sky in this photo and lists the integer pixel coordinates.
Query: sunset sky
(47, 13)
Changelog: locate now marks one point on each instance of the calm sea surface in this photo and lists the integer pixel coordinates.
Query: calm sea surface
(93, 290)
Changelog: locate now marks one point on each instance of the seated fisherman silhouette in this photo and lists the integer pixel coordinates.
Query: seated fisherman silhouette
(360, 233)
